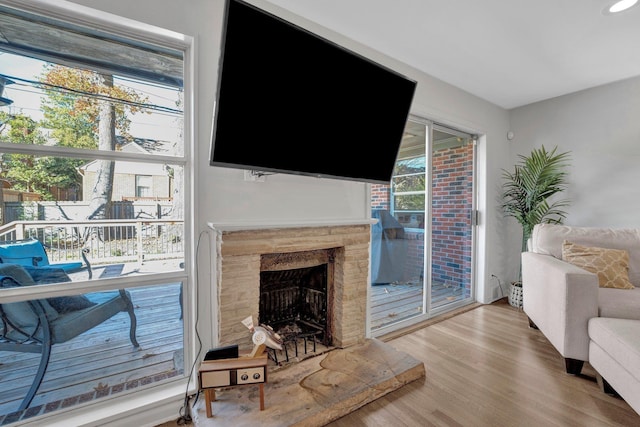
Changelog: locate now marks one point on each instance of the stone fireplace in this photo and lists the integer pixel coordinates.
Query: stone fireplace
(335, 254)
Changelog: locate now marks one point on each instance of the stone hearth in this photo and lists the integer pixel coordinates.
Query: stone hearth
(241, 253)
(315, 391)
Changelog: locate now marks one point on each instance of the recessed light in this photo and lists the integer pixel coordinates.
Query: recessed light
(619, 6)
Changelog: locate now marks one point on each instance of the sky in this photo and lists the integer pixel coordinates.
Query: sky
(26, 99)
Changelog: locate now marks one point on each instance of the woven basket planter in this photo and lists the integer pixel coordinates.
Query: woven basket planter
(515, 295)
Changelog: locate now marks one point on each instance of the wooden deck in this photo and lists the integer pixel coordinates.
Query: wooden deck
(394, 302)
(101, 361)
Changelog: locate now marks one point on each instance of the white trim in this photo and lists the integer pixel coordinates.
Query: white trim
(82, 153)
(92, 18)
(256, 225)
(155, 404)
(161, 404)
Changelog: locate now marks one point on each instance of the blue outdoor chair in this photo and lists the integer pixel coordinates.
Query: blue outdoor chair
(35, 326)
(32, 253)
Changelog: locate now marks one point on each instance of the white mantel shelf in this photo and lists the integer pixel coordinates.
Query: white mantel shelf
(238, 226)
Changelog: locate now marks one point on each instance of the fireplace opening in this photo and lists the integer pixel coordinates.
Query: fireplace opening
(294, 303)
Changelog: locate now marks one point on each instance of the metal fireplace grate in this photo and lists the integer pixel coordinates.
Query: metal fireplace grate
(294, 303)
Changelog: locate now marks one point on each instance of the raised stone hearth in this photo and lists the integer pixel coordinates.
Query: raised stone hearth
(315, 391)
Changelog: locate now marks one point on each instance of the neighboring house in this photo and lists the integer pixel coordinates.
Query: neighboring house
(133, 181)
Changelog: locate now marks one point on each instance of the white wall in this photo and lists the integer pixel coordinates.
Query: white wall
(601, 129)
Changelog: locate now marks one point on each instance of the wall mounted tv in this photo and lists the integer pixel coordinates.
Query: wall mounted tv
(292, 102)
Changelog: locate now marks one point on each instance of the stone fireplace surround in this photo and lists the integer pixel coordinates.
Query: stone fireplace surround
(241, 252)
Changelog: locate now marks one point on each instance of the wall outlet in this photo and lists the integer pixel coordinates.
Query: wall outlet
(254, 176)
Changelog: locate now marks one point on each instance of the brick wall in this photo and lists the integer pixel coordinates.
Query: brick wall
(380, 196)
(452, 192)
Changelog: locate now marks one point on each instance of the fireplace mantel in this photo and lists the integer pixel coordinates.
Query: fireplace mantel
(256, 225)
(240, 249)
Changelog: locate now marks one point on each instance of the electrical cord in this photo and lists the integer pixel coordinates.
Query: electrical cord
(184, 413)
(499, 285)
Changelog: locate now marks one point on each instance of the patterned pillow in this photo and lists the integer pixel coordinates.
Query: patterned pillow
(611, 265)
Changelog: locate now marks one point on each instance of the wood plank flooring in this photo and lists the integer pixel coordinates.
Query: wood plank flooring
(486, 367)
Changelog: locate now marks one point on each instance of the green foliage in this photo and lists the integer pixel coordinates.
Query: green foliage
(73, 112)
(409, 184)
(71, 109)
(19, 129)
(21, 169)
(526, 190)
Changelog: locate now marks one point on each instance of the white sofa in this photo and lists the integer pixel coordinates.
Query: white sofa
(614, 352)
(559, 298)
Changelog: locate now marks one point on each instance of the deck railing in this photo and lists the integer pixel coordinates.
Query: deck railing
(108, 241)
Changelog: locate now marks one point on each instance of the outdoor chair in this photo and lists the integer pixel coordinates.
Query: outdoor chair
(35, 326)
(31, 252)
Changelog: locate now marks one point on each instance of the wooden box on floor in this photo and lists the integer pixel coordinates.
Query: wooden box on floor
(244, 370)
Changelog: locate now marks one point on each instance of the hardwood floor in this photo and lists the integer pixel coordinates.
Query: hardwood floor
(486, 367)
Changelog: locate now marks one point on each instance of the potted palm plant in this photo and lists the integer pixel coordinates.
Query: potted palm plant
(525, 196)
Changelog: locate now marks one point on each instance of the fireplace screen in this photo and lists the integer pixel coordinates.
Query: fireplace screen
(294, 302)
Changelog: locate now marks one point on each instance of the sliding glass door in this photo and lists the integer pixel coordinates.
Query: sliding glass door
(422, 242)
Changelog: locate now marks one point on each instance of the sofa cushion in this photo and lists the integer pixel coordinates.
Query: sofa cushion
(547, 239)
(611, 265)
(619, 338)
(618, 303)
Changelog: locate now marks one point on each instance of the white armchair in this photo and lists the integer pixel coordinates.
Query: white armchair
(560, 298)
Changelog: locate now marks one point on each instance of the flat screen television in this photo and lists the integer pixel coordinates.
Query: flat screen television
(290, 101)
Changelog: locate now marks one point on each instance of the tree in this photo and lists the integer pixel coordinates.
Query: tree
(85, 110)
(103, 185)
(26, 172)
(72, 105)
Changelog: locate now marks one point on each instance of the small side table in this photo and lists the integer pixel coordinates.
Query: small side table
(230, 373)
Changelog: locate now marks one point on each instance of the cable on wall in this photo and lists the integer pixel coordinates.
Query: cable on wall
(184, 413)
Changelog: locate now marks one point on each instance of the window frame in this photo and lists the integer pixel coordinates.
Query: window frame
(156, 397)
(144, 182)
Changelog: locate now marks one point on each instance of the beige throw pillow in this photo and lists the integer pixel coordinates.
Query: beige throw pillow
(611, 265)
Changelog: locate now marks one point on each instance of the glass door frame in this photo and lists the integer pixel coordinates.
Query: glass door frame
(427, 309)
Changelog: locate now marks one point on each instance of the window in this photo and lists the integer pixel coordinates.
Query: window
(90, 121)
(144, 186)
(408, 191)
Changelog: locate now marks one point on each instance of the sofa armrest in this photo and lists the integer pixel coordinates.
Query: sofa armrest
(560, 298)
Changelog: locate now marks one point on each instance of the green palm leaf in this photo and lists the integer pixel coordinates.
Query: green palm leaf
(526, 190)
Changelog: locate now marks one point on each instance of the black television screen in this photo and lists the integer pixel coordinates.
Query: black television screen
(290, 101)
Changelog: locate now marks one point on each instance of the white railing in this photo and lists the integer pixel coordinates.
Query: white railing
(108, 241)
